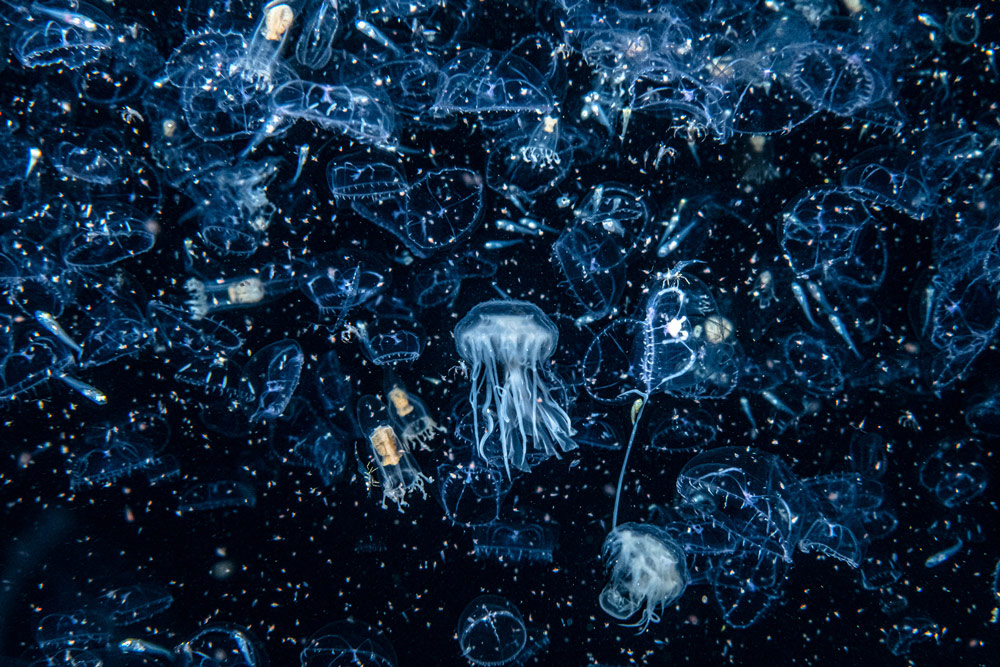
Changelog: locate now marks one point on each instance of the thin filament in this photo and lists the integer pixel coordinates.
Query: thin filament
(628, 450)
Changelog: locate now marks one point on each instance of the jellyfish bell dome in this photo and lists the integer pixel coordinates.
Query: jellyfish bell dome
(510, 328)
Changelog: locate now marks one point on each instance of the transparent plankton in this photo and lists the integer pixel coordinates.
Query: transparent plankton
(507, 343)
(648, 572)
(398, 470)
(244, 292)
(410, 416)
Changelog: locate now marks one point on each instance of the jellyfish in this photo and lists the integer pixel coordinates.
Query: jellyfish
(242, 292)
(398, 470)
(409, 415)
(648, 572)
(506, 343)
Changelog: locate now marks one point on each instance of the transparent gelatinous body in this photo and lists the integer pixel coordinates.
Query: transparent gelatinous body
(471, 492)
(437, 211)
(491, 631)
(81, 628)
(270, 378)
(363, 179)
(481, 81)
(832, 539)
(352, 111)
(682, 430)
(648, 571)
(315, 43)
(410, 416)
(348, 642)
(507, 342)
(135, 602)
(337, 282)
(107, 237)
(221, 494)
(752, 496)
(393, 338)
(104, 466)
(70, 39)
(398, 470)
(954, 474)
(238, 293)
(516, 541)
(682, 345)
(589, 261)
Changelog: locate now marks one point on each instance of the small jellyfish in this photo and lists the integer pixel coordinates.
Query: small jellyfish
(410, 416)
(136, 602)
(244, 292)
(238, 293)
(648, 572)
(514, 337)
(348, 642)
(516, 541)
(492, 632)
(398, 471)
(220, 494)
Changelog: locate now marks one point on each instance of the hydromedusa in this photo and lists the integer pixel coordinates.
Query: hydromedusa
(506, 343)
(648, 572)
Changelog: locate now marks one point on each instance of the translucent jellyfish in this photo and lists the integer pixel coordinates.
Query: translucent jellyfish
(356, 178)
(68, 38)
(953, 472)
(398, 470)
(904, 633)
(348, 642)
(682, 346)
(106, 464)
(489, 82)
(410, 415)
(356, 112)
(303, 438)
(221, 494)
(648, 572)
(516, 541)
(109, 236)
(270, 378)
(81, 628)
(588, 261)
(245, 291)
(833, 539)
(507, 342)
(135, 602)
(471, 493)
(439, 210)
(315, 44)
(493, 632)
(392, 338)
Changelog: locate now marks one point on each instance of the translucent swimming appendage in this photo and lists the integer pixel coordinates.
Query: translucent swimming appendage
(398, 470)
(648, 572)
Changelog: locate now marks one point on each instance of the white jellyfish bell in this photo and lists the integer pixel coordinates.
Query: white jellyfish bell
(506, 343)
(648, 572)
